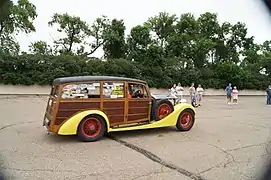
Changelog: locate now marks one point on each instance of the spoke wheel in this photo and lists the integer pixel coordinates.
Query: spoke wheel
(161, 109)
(91, 128)
(164, 110)
(186, 120)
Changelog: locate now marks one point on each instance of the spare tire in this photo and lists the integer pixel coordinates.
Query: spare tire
(161, 109)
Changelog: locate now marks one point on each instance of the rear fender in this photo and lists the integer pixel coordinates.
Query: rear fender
(69, 127)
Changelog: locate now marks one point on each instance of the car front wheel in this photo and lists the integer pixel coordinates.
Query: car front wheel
(186, 120)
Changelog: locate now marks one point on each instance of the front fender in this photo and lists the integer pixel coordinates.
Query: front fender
(172, 118)
(69, 127)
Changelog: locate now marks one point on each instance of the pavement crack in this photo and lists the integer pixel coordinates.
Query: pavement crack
(229, 156)
(224, 165)
(217, 147)
(209, 169)
(224, 151)
(249, 146)
(157, 159)
(38, 170)
(10, 125)
(147, 174)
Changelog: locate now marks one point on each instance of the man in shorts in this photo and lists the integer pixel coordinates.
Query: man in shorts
(229, 93)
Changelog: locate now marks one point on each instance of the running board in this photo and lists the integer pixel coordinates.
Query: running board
(132, 125)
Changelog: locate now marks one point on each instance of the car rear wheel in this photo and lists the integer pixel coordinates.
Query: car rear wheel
(91, 128)
(162, 109)
(186, 120)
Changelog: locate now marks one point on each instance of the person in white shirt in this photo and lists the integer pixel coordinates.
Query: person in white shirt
(235, 95)
(179, 92)
(173, 90)
(200, 91)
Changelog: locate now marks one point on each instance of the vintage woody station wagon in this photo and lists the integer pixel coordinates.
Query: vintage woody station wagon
(90, 106)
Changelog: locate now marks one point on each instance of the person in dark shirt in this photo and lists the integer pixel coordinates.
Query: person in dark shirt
(194, 102)
(268, 92)
(229, 93)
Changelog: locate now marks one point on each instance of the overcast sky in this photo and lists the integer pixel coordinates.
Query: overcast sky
(135, 12)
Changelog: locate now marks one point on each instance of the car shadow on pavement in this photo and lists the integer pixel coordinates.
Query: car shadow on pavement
(159, 132)
(56, 139)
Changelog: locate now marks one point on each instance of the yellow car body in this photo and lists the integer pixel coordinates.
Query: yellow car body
(69, 127)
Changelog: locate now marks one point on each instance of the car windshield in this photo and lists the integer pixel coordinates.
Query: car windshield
(54, 91)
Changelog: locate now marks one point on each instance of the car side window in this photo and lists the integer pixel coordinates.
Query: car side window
(113, 90)
(136, 91)
(81, 91)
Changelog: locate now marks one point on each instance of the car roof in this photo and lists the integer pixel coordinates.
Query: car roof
(74, 79)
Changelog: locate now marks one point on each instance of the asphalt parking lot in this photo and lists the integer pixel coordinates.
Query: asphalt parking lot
(226, 143)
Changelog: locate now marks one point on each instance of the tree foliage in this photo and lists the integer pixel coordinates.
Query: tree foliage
(40, 47)
(75, 31)
(166, 49)
(15, 18)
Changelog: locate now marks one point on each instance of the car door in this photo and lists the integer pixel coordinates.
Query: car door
(113, 101)
(138, 104)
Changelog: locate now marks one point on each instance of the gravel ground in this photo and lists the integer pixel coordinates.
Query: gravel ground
(226, 143)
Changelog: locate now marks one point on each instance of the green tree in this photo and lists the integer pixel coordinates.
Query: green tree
(8, 45)
(166, 49)
(162, 25)
(97, 31)
(207, 38)
(75, 29)
(114, 46)
(138, 42)
(17, 17)
(5, 12)
(40, 47)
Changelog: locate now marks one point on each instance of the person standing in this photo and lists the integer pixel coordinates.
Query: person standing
(200, 91)
(179, 91)
(268, 92)
(192, 91)
(194, 102)
(173, 90)
(235, 95)
(229, 93)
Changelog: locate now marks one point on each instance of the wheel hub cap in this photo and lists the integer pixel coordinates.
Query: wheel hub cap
(165, 112)
(185, 119)
(92, 127)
